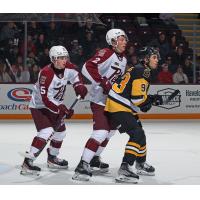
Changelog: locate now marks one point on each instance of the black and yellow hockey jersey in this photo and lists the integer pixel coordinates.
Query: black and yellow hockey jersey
(129, 91)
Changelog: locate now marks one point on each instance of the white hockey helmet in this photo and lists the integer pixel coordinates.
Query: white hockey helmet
(113, 34)
(57, 51)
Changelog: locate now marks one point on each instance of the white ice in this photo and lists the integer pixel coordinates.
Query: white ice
(173, 149)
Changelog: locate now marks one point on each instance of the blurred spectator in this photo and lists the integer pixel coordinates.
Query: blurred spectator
(173, 43)
(52, 33)
(43, 59)
(25, 74)
(178, 57)
(1, 72)
(165, 76)
(17, 73)
(188, 68)
(130, 52)
(88, 45)
(30, 45)
(31, 59)
(75, 46)
(34, 71)
(77, 56)
(21, 74)
(161, 43)
(172, 67)
(89, 26)
(133, 60)
(179, 77)
(34, 29)
(8, 31)
(85, 28)
(19, 61)
(5, 74)
(81, 19)
(41, 44)
(14, 53)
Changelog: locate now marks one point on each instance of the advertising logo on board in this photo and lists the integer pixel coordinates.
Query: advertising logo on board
(173, 103)
(20, 94)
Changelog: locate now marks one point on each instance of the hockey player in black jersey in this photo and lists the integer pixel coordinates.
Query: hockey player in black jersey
(127, 96)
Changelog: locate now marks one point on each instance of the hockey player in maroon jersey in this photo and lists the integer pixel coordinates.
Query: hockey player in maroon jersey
(102, 70)
(48, 110)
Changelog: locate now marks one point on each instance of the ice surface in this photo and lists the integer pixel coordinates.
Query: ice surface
(173, 149)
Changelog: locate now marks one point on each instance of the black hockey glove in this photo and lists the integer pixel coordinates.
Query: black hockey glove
(156, 99)
(146, 106)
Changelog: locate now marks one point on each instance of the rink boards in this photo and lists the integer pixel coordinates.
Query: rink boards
(186, 105)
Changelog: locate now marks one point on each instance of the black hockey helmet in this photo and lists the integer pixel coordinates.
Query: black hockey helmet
(147, 52)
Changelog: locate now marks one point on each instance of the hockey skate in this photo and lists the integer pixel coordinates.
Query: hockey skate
(82, 172)
(53, 162)
(97, 166)
(126, 175)
(28, 168)
(145, 169)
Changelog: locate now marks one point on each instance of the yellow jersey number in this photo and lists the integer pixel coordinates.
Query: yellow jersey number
(119, 87)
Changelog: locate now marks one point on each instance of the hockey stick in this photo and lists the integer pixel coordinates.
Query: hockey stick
(75, 101)
(174, 94)
(9, 65)
(71, 107)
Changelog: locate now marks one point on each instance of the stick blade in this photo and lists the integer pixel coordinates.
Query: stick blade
(174, 94)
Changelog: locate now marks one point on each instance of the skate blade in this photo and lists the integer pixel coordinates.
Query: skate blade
(143, 173)
(53, 167)
(97, 171)
(80, 177)
(27, 172)
(124, 179)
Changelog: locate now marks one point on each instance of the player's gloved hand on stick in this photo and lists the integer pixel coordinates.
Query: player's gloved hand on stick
(64, 111)
(81, 90)
(106, 85)
(156, 99)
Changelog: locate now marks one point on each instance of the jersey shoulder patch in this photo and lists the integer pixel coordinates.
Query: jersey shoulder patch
(106, 52)
(147, 73)
(101, 52)
(46, 74)
(142, 72)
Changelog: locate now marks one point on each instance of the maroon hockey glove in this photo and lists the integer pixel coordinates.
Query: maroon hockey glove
(64, 111)
(106, 85)
(81, 90)
(69, 114)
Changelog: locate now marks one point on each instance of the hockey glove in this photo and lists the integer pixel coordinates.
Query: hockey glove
(106, 85)
(81, 90)
(146, 106)
(65, 112)
(156, 99)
